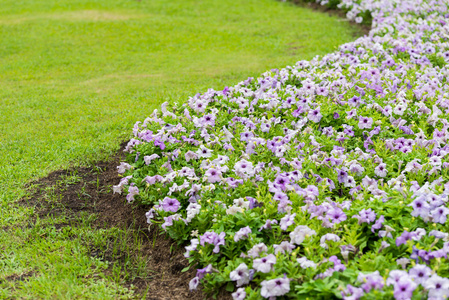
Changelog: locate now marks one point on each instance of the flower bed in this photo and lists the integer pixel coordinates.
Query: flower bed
(328, 178)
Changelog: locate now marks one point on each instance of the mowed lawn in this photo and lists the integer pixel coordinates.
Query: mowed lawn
(74, 78)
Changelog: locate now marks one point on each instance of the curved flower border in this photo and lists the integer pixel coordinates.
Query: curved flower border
(328, 178)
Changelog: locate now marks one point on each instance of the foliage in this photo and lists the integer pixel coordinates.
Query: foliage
(327, 178)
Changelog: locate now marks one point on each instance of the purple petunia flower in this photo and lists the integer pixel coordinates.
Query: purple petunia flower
(190, 155)
(403, 238)
(275, 287)
(132, 191)
(211, 237)
(192, 247)
(365, 123)
(342, 175)
(246, 136)
(381, 170)
(365, 216)
(420, 207)
(150, 158)
(328, 237)
(200, 273)
(240, 294)
(437, 286)
(244, 168)
(300, 233)
(153, 179)
(439, 214)
(395, 275)
(268, 224)
(193, 284)
(378, 224)
(315, 115)
(204, 152)
(352, 293)
(371, 281)
(240, 274)
(233, 183)
(264, 264)
(305, 263)
(170, 204)
(284, 247)
(158, 142)
(213, 175)
(336, 215)
(243, 233)
(123, 167)
(287, 220)
(168, 221)
(420, 273)
(258, 249)
(403, 289)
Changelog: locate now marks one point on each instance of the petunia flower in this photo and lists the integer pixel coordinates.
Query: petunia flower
(240, 275)
(315, 115)
(328, 237)
(404, 288)
(336, 215)
(244, 168)
(170, 204)
(420, 207)
(275, 287)
(210, 237)
(420, 273)
(287, 221)
(300, 233)
(268, 224)
(239, 294)
(243, 233)
(371, 281)
(381, 170)
(132, 191)
(305, 263)
(395, 275)
(264, 264)
(437, 286)
(148, 159)
(193, 284)
(200, 273)
(204, 152)
(123, 167)
(378, 224)
(439, 214)
(352, 293)
(213, 175)
(257, 250)
(365, 123)
(284, 247)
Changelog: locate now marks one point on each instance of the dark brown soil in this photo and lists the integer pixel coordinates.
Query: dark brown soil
(19, 277)
(165, 259)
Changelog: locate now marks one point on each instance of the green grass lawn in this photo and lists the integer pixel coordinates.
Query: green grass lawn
(75, 76)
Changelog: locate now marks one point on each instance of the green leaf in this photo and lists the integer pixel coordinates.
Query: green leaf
(230, 287)
(185, 269)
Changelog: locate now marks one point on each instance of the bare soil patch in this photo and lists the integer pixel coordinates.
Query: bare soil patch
(19, 277)
(91, 193)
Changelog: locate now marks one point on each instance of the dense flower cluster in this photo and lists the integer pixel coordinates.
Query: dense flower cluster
(328, 178)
